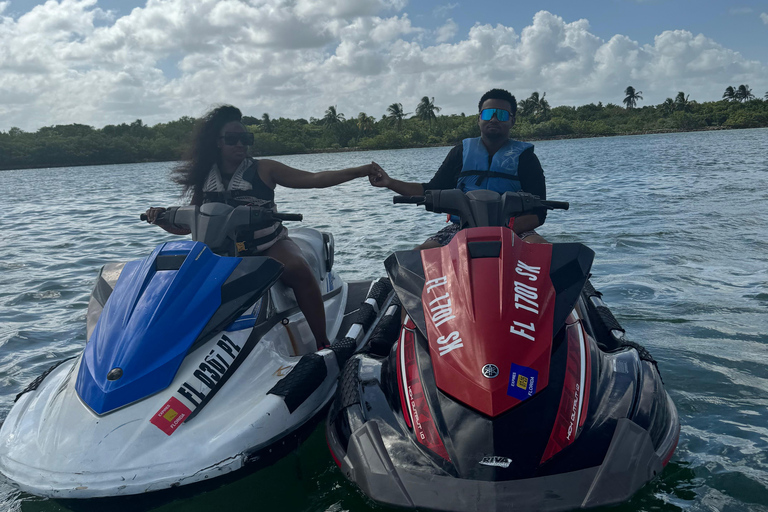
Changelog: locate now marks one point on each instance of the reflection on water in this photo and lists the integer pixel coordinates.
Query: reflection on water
(678, 223)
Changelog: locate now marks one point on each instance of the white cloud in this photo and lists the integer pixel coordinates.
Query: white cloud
(442, 11)
(764, 17)
(346, 9)
(66, 61)
(447, 31)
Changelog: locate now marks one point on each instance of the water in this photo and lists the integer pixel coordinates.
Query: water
(678, 221)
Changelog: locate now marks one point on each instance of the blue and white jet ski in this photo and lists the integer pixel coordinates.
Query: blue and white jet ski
(197, 363)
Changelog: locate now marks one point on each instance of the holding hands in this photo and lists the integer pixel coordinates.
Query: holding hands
(378, 176)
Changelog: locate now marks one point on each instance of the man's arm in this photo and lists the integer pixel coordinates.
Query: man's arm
(445, 178)
(381, 179)
(532, 181)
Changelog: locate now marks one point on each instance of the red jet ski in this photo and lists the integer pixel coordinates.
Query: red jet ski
(505, 383)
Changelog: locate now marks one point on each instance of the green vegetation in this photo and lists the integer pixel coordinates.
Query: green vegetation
(76, 144)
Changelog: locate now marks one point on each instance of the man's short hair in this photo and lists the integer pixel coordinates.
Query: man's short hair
(498, 94)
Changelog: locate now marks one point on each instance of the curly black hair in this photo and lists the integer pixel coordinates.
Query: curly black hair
(498, 94)
(204, 151)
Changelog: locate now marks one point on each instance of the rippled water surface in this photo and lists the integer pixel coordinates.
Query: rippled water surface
(679, 223)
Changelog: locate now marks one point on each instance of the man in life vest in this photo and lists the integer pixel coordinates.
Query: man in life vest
(492, 161)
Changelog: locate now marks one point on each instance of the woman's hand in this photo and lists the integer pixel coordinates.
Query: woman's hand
(153, 213)
(378, 177)
(154, 216)
(367, 170)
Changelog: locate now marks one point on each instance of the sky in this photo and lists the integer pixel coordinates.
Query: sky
(100, 62)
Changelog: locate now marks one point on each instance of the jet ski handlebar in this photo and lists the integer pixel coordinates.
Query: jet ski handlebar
(287, 216)
(217, 225)
(556, 205)
(408, 199)
(481, 207)
(258, 215)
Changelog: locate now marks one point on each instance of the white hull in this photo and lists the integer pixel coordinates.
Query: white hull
(55, 446)
(52, 444)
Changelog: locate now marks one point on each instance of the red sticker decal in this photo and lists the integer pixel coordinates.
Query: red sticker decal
(170, 416)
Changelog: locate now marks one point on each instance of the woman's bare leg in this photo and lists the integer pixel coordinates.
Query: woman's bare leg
(535, 239)
(298, 276)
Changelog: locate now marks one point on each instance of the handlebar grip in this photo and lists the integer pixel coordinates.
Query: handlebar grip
(408, 199)
(161, 218)
(556, 205)
(288, 216)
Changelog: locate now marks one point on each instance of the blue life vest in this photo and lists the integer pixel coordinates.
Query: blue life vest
(499, 175)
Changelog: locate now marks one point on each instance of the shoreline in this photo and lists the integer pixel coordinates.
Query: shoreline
(415, 146)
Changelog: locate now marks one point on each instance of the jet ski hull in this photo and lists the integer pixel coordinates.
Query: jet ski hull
(238, 396)
(506, 385)
(629, 432)
(381, 457)
(56, 447)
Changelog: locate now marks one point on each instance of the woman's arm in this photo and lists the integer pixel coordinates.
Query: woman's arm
(274, 173)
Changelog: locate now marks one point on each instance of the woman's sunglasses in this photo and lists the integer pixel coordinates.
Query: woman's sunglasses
(487, 114)
(232, 138)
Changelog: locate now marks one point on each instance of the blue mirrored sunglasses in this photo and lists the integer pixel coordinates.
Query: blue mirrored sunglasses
(487, 114)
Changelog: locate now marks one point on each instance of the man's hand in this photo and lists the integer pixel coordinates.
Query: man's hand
(379, 177)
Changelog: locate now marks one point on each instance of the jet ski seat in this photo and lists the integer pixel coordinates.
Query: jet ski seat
(314, 249)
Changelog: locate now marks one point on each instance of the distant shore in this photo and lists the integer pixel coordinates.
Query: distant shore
(81, 145)
(415, 146)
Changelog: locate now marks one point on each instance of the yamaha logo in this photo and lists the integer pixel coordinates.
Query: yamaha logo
(490, 371)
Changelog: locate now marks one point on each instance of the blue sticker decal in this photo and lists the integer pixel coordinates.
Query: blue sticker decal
(522, 382)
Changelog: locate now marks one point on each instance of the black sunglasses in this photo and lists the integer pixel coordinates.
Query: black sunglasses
(232, 138)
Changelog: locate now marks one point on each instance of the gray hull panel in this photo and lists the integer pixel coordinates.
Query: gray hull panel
(630, 462)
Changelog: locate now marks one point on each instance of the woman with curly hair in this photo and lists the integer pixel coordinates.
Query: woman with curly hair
(218, 169)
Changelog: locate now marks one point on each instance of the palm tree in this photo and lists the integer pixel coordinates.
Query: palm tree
(365, 123)
(528, 106)
(730, 93)
(668, 106)
(543, 113)
(426, 109)
(632, 96)
(396, 114)
(744, 93)
(535, 107)
(266, 123)
(681, 102)
(332, 117)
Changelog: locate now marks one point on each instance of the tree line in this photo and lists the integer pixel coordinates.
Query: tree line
(77, 144)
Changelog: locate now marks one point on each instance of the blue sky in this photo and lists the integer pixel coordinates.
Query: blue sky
(736, 25)
(106, 61)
